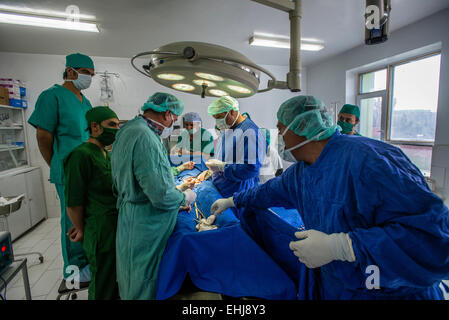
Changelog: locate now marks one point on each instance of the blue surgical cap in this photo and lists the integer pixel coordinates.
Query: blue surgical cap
(192, 117)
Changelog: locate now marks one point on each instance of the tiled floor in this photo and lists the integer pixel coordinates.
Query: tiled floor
(45, 277)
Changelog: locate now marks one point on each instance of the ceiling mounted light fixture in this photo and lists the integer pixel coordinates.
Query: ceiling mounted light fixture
(218, 93)
(36, 21)
(239, 89)
(204, 66)
(183, 87)
(170, 76)
(228, 69)
(281, 42)
(70, 12)
(209, 76)
(200, 82)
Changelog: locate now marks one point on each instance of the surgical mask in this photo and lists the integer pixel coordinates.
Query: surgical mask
(345, 126)
(108, 136)
(287, 154)
(83, 81)
(221, 123)
(193, 131)
(167, 130)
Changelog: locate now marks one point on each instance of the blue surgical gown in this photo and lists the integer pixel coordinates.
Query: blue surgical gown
(243, 149)
(371, 191)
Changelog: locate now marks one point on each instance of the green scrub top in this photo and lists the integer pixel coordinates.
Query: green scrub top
(207, 142)
(148, 203)
(89, 184)
(59, 111)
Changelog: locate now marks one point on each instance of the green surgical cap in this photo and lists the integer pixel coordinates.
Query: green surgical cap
(78, 60)
(306, 117)
(223, 104)
(351, 109)
(161, 102)
(99, 114)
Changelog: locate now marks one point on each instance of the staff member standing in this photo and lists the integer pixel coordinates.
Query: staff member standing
(195, 140)
(148, 200)
(59, 118)
(348, 119)
(240, 150)
(91, 204)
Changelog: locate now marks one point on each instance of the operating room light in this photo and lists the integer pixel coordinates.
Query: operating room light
(209, 76)
(183, 87)
(239, 89)
(277, 42)
(218, 93)
(170, 76)
(47, 22)
(200, 82)
(208, 70)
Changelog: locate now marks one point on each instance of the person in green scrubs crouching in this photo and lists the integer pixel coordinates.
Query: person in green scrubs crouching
(59, 117)
(91, 204)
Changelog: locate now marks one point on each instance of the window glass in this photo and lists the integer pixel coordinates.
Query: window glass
(373, 81)
(415, 100)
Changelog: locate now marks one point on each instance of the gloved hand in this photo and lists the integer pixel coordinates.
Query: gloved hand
(215, 165)
(221, 205)
(188, 184)
(317, 248)
(186, 166)
(190, 197)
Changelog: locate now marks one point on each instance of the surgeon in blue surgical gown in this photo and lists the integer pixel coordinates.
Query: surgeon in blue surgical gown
(374, 228)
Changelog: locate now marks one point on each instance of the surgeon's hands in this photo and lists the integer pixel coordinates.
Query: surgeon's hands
(75, 234)
(316, 248)
(190, 197)
(186, 166)
(188, 184)
(221, 205)
(215, 165)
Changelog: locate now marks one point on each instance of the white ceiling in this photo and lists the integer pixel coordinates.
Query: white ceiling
(133, 26)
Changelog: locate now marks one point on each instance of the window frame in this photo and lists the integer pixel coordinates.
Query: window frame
(388, 95)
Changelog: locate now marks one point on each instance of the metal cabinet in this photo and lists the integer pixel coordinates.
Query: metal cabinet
(18, 222)
(35, 196)
(26, 181)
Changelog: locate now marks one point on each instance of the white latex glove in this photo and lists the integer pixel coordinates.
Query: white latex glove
(186, 185)
(190, 197)
(186, 166)
(317, 248)
(215, 165)
(221, 205)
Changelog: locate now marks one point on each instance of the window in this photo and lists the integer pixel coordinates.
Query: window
(398, 105)
(373, 81)
(415, 100)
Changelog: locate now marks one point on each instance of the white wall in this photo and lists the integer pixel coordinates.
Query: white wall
(130, 91)
(327, 79)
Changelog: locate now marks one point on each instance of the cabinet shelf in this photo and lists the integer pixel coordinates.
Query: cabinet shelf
(12, 149)
(10, 107)
(12, 128)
